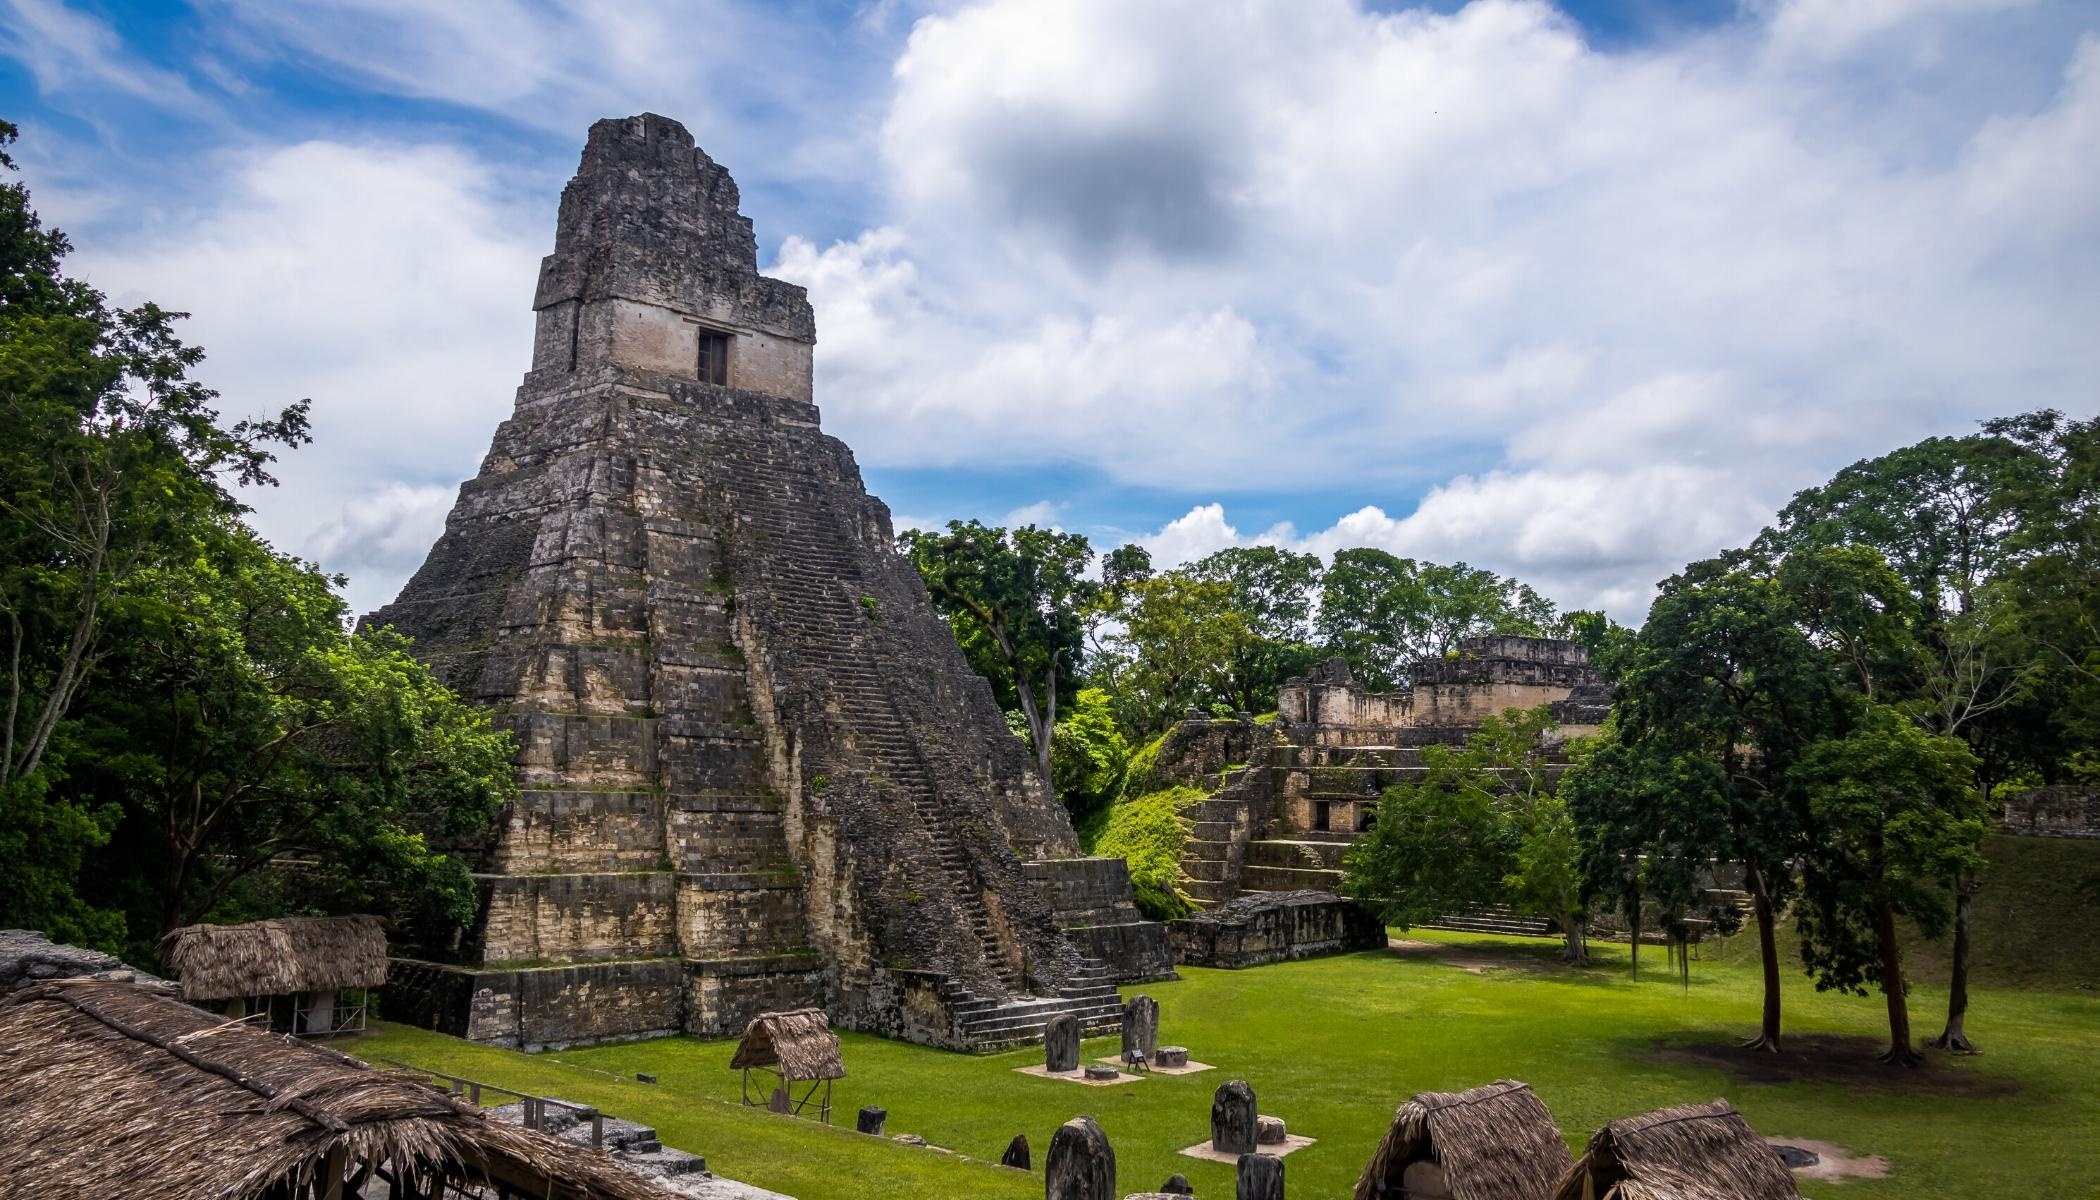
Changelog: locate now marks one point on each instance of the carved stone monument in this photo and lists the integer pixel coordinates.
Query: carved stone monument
(1260, 1177)
(1016, 1152)
(1141, 1027)
(1080, 1165)
(871, 1119)
(1232, 1118)
(1061, 1044)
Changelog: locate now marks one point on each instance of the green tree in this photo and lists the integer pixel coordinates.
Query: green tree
(1895, 814)
(113, 464)
(1273, 592)
(1169, 649)
(1017, 602)
(1088, 754)
(1383, 613)
(1717, 696)
(1482, 825)
(1945, 515)
(252, 731)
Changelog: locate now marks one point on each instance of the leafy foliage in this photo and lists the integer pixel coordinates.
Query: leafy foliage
(1088, 754)
(1014, 599)
(1481, 825)
(188, 731)
(1148, 832)
(1383, 613)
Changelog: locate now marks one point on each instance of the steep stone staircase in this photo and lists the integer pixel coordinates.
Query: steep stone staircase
(812, 569)
(989, 1022)
(1494, 918)
(1212, 856)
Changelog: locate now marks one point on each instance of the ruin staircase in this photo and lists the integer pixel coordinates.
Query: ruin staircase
(809, 561)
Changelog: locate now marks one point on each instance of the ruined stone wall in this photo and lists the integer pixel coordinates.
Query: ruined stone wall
(2054, 812)
(1271, 927)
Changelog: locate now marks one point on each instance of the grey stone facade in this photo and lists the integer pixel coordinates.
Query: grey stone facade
(757, 771)
(1311, 784)
(2053, 812)
(1266, 927)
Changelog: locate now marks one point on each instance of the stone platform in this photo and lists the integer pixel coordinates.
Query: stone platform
(1266, 927)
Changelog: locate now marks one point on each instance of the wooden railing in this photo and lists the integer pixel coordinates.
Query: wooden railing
(535, 1107)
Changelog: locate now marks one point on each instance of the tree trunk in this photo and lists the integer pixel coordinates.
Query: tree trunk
(1634, 923)
(1039, 727)
(1954, 1037)
(1899, 1051)
(1576, 949)
(1767, 1038)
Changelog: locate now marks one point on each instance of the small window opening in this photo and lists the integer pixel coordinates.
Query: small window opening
(714, 358)
(1320, 815)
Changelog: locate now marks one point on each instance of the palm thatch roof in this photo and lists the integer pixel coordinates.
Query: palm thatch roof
(1691, 1152)
(276, 957)
(1495, 1142)
(798, 1043)
(119, 1089)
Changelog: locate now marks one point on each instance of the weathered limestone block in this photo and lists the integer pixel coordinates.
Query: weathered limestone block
(870, 1120)
(1269, 1131)
(1080, 1165)
(1171, 1056)
(1266, 927)
(1141, 1027)
(1232, 1118)
(1016, 1152)
(1101, 1071)
(1260, 1177)
(1061, 1043)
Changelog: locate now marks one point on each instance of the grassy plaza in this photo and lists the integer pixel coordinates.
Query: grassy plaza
(1334, 1045)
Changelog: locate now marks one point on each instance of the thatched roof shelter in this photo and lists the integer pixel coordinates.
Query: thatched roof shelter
(1691, 1152)
(119, 1089)
(278, 957)
(798, 1044)
(1495, 1142)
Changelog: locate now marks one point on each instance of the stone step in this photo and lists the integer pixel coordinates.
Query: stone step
(1287, 879)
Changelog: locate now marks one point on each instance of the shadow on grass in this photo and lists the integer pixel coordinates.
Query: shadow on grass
(1540, 961)
(1824, 1059)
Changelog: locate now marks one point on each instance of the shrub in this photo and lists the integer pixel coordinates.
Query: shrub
(1148, 833)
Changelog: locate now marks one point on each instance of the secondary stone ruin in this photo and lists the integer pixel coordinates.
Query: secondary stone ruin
(1311, 780)
(1266, 927)
(756, 771)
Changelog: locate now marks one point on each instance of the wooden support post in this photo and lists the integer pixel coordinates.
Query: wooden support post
(331, 1181)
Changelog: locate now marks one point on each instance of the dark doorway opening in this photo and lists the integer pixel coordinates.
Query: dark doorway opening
(714, 358)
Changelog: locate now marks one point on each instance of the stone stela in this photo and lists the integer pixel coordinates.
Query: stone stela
(756, 771)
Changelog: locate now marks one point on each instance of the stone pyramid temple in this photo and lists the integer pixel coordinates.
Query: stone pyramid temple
(756, 771)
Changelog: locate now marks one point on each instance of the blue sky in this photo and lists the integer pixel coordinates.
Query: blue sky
(1577, 293)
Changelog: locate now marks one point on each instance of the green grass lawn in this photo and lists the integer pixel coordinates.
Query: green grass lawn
(1333, 1045)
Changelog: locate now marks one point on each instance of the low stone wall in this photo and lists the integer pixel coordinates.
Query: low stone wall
(2054, 812)
(28, 958)
(1266, 927)
(539, 1008)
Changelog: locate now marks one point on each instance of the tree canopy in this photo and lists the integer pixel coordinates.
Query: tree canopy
(189, 731)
